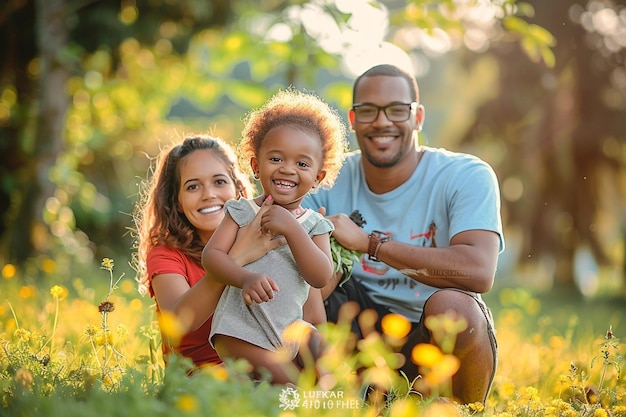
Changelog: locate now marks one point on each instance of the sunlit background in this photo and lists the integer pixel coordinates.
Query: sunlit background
(537, 89)
(91, 91)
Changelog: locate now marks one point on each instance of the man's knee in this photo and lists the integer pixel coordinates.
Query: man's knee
(459, 304)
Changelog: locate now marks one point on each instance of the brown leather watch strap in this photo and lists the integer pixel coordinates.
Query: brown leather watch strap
(376, 239)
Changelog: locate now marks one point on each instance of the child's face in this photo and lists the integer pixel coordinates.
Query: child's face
(204, 188)
(289, 164)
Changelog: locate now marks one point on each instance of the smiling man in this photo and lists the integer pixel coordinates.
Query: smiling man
(433, 229)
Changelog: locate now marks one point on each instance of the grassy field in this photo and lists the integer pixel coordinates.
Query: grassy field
(89, 344)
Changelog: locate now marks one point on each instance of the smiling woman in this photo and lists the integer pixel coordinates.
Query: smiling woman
(181, 206)
(205, 185)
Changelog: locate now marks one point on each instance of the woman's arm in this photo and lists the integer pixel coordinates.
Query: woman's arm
(256, 287)
(215, 259)
(194, 305)
(191, 305)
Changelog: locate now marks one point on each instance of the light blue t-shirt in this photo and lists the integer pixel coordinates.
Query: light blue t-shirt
(447, 194)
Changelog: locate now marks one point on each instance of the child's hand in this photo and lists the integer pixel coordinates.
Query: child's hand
(276, 220)
(252, 243)
(258, 288)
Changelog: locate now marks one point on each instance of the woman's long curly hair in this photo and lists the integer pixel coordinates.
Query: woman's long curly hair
(157, 219)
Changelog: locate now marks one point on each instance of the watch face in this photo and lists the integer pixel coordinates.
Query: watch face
(379, 234)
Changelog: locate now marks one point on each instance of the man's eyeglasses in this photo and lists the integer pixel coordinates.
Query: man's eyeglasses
(396, 112)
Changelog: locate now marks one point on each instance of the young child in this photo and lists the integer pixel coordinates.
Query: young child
(179, 208)
(294, 144)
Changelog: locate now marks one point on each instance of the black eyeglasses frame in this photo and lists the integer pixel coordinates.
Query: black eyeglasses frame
(412, 108)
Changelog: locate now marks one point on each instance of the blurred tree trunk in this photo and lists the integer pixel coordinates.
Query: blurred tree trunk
(564, 140)
(53, 103)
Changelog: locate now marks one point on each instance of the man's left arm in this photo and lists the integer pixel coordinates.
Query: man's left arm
(469, 263)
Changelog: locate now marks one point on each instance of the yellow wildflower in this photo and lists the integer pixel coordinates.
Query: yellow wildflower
(218, 372)
(448, 323)
(564, 380)
(107, 264)
(508, 388)
(396, 325)
(533, 307)
(48, 266)
(619, 410)
(551, 412)
(477, 407)
(426, 354)
(445, 328)
(28, 291)
(404, 408)
(600, 412)
(104, 338)
(379, 376)
(439, 367)
(112, 379)
(172, 328)
(556, 343)
(57, 291)
(8, 271)
(91, 330)
(529, 394)
(127, 287)
(22, 335)
(443, 370)
(135, 304)
(562, 407)
(297, 332)
(187, 403)
(122, 331)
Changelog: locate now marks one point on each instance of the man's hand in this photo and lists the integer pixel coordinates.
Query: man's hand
(348, 234)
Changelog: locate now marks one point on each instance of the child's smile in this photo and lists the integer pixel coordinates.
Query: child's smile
(288, 164)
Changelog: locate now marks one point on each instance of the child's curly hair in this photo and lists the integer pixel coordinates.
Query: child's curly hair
(306, 111)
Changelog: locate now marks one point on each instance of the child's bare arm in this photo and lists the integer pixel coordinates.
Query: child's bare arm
(312, 255)
(315, 262)
(222, 268)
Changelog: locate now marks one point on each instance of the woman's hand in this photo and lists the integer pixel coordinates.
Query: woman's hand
(251, 244)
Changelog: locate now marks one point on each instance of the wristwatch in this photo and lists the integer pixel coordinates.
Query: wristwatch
(376, 239)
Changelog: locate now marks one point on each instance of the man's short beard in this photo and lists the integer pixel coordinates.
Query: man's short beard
(378, 163)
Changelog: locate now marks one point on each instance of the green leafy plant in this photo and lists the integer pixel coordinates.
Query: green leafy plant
(344, 258)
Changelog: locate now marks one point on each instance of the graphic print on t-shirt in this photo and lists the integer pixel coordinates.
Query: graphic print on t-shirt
(429, 235)
(428, 239)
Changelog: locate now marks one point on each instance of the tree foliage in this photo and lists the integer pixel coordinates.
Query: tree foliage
(139, 72)
(563, 129)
